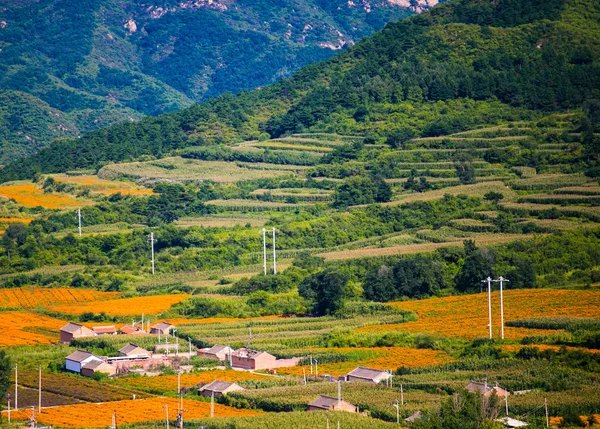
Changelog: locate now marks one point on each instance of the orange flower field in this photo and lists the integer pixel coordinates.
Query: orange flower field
(26, 220)
(169, 382)
(20, 328)
(29, 195)
(125, 307)
(466, 316)
(132, 411)
(383, 357)
(33, 297)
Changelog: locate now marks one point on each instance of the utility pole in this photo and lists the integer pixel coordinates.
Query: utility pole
(401, 394)
(339, 395)
(506, 404)
(391, 378)
(317, 368)
(178, 382)
(16, 385)
(40, 392)
(502, 306)
(274, 256)
(304, 374)
(397, 406)
(212, 404)
(114, 420)
(8, 407)
(152, 240)
(264, 231)
(79, 220)
(167, 412)
(546, 409)
(489, 286)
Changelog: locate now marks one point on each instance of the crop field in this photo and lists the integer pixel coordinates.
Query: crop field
(549, 181)
(591, 213)
(380, 357)
(188, 170)
(124, 307)
(29, 195)
(410, 249)
(221, 221)
(33, 297)
(130, 411)
(101, 186)
(478, 189)
(165, 383)
(253, 205)
(21, 328)
(466, 316)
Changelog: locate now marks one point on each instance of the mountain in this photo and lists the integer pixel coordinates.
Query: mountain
(463, 63)
(70, 67)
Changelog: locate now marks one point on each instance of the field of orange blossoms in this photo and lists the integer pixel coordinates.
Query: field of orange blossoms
(381, 357)
(28, 195)
(33, 297)
(124, 307)
(102, 186)
(20, 328)
(26, 220)
(466, 316)
(164, 383)
(132, 411)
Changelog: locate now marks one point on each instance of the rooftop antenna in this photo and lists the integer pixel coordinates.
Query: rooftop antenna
(79, 220)
(152, 241)
(489, 289)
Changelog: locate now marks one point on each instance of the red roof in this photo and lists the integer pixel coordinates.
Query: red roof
(104, 329)
(132, 330)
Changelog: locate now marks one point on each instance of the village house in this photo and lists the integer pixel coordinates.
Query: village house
(216, 352)
(253, 359)
(94, 366)
(72, 331)
(369, 375)
(509, 422)
(132, 330)
(100, 331)
(133, 351)
(327, 403)
(162, 328)
(219, 388)
(76, 360)
(411, 419)
(486, 389)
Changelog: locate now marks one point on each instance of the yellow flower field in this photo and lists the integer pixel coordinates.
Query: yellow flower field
(466, 316)
(131, 411)
(28, 195)
(26, 220)
(169, 382)
(125, 307)
(19, 328)
(33, 297)
(383, 358)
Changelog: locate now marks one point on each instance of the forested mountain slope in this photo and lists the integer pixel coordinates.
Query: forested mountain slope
(70, 67)
(463, 63)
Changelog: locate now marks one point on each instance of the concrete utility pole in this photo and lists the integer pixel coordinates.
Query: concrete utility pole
(274, 256)
(339, 395)
(264, 231)
(79, 219)
(178, 382)
(167, 412)
(212, 404)
(397, 406)
(16, 386)
(114, 420)
(152, 240)
(502, 305)
(546, 409)
(489, 286)
(401, 394)
(40, 393)
(506, 404)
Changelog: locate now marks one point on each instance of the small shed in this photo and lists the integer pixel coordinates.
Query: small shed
(94, 366)
(71, 331)
(131, 350)
(219, 388)
(132, 330)
(100, 331)
(509, 422)
(216, 352)
(328, 403)
(369, 375)
(76, 360)
(486, 389)
(162, 328)
(415, 416)
(246, 358)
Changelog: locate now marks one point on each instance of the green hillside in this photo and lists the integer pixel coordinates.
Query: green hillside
(430, 75)
(99, 62)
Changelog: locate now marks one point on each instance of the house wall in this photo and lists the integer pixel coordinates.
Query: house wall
(104, 368)
(66, 337)
(73, 366)
(345, 406)
(352, 378)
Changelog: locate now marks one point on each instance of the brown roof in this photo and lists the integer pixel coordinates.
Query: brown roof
(415, 416)
(215, 349)
(93, 364)
(475, 386)
(249, 353)
(366, 373)
(104, 329)
(80, 356)
(131, 329)
(162, 325)
(128, 348)
(218, 386)
(326, 402)
(71, 327)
